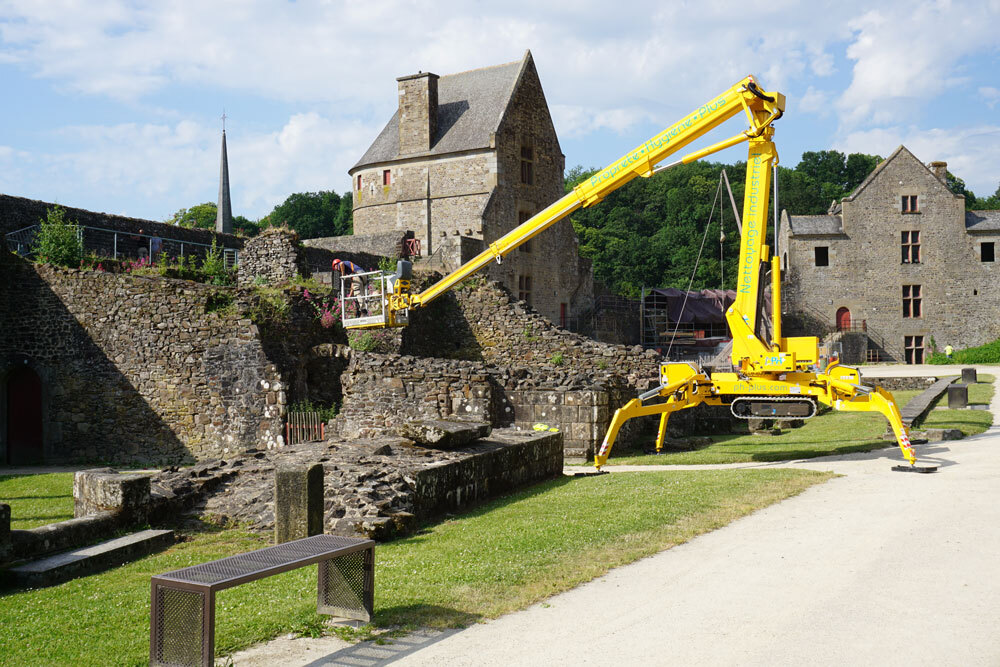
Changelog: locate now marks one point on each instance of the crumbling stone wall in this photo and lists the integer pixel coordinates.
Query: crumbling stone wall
(273, 257)
(482, 320)
(138, 369)
(383, 391)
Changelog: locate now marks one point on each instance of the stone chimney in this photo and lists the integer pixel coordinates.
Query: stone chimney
(940, 170)
(418, 108)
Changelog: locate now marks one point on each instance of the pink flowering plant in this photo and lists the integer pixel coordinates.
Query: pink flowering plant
(327, 308)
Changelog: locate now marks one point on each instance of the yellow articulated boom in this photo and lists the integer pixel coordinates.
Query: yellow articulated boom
(773, 376)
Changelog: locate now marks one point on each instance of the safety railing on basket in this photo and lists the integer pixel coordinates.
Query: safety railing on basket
(364, 297)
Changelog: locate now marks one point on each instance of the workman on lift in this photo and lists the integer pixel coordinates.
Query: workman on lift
(349, 268)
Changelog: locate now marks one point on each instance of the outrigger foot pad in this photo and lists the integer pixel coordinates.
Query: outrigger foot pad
(923, 469)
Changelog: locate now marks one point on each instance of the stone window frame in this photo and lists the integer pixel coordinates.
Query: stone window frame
(524, 288)
(909, 204)
(523, 217)
(386, 177)
(910, 244)
(991, 254)
(527, 161)
(913, 302)
(821, 255)
(359, 183)
(913, 349)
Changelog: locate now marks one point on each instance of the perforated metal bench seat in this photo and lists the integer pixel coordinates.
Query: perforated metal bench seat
(182, 611)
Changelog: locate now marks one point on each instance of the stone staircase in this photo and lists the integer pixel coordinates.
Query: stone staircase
(88, 560)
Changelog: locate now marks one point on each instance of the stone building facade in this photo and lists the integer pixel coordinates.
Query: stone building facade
(900, 259)
(473, 155)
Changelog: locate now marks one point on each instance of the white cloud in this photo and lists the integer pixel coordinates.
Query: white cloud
(990, 94)
(908, 53)
(815, 101)
(972, 154)
(334, 63)
(175, 166)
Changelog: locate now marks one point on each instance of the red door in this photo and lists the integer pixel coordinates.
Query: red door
(24, 417)
(843, 319)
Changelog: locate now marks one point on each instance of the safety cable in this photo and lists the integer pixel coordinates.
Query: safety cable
(711, 214)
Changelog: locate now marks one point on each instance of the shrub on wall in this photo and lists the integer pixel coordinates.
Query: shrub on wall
(59, 242)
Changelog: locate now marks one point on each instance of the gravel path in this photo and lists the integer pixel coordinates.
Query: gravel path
(874, 567)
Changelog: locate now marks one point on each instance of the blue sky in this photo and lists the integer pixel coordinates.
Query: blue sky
(114, 106)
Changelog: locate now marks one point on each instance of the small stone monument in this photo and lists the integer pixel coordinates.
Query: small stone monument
(4, 530)
(298, 502)
(958, 396)
(969, 376)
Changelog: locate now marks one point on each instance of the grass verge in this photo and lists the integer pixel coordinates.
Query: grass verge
(36, 500)
(503, 556)
(823, 435)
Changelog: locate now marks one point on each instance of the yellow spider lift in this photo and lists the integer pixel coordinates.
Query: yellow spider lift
(774, 376)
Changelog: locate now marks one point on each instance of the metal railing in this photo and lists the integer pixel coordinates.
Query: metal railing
(124, 245)
(304, 427)
(363, 297)
(411, 247)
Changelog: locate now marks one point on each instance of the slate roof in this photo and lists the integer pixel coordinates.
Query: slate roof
(982, 221)
(470, 107)
(815, 225)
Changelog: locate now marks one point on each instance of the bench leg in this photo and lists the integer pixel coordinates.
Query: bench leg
(346, 586)
(181, 625)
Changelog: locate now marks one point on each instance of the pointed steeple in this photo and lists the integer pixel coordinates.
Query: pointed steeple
(224, 216)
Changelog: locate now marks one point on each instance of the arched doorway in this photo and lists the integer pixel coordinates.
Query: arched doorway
(24, 416)
(843, 319)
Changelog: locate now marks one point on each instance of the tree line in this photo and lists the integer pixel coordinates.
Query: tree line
(650, 231)
(310, 214)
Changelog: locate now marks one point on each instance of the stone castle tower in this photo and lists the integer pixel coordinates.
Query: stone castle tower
(465, 159)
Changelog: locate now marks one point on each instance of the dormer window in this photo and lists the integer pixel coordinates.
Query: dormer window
(909, 204)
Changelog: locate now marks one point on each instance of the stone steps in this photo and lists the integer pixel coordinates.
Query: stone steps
(95, 558)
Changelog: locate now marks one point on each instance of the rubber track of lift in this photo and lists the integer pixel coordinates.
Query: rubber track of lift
(924, 469)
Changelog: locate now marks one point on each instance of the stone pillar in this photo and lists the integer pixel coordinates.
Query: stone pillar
(4, 529)
(969, 376)
(298, 502)
(105, 490)
(958, 396)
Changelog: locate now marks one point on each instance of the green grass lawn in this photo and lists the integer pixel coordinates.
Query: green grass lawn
(503, 556)
(823, 435)
(36, 500)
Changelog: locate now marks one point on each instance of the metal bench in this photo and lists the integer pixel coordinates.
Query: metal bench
(182, 612)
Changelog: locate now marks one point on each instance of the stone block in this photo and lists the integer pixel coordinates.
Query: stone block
(106, 490)
(958, 396)
(298, 502)
(441, 434)
(969, 376)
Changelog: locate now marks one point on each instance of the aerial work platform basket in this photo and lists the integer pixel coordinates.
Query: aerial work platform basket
(364, 298)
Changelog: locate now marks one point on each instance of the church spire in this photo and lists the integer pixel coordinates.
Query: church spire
(224, 216)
